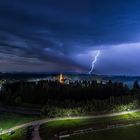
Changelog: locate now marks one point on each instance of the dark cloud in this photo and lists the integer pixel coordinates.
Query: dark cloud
(53, 32)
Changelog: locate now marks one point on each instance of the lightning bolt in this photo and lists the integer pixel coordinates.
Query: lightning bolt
(94, 61)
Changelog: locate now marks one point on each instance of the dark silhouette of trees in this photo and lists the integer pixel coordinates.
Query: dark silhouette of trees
(82, 95)
(136, 85)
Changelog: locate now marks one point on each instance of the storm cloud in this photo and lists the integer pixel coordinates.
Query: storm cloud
(62, 35)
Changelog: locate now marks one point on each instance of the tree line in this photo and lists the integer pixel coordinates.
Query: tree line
(83, 95)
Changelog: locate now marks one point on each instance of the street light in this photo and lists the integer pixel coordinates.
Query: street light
(69, 115)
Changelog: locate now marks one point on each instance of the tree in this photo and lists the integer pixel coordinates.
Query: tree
(136, 85)
(18, 101)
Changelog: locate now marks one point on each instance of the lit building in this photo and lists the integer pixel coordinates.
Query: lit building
(63, 79)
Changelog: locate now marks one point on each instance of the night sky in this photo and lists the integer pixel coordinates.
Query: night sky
(65, 35)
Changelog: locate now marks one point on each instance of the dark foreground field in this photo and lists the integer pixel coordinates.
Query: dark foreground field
(8, 120)
(48, 130)
(129, 133)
